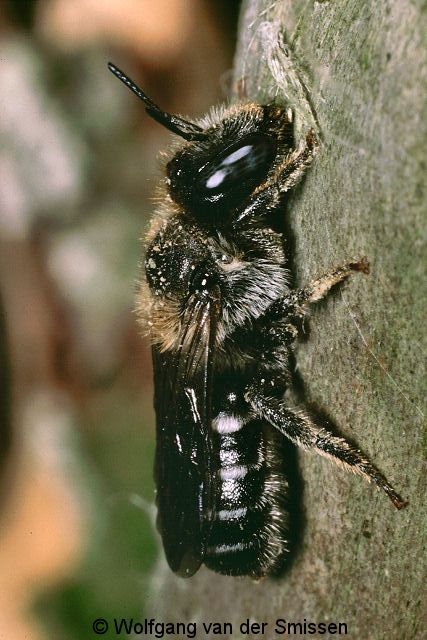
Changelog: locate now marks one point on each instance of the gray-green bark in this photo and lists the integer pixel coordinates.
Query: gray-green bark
(361, 562)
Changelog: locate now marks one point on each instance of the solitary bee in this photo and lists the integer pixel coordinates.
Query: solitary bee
(223, 321)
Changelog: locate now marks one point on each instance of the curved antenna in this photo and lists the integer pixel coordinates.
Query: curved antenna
(185, 129)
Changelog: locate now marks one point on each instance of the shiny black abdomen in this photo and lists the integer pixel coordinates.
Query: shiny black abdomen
(248, 535)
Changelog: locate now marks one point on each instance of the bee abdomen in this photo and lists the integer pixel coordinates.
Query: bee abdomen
(249, 524)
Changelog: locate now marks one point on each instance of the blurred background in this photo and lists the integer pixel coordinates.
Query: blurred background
(78, 166)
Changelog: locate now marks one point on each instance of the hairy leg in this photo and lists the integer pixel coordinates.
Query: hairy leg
(286, 176)
(318, 289)
(290, 172)
(303, 432)
(294, 304)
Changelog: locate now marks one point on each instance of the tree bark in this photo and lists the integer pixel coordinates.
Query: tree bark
(362, 69)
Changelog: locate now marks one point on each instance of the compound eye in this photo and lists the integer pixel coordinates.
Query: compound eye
(246, 161)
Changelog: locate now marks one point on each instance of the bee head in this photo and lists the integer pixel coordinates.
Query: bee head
(224, 162)
(210, 178)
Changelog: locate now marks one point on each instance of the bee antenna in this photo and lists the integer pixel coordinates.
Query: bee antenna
(185, 129)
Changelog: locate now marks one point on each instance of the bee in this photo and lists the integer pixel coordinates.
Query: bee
(223, 321)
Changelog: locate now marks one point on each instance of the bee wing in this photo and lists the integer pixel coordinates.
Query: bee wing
(183, 467)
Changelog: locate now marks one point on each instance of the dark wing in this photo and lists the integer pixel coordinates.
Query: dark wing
(183, 467)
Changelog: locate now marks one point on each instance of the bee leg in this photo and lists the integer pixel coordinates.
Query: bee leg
(287, 175)
(277, 325)
(318, 289)
(293, 305)
(303, 432)
(290, 172)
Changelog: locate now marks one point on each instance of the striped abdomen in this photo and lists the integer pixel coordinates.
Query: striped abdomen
(249, 529)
